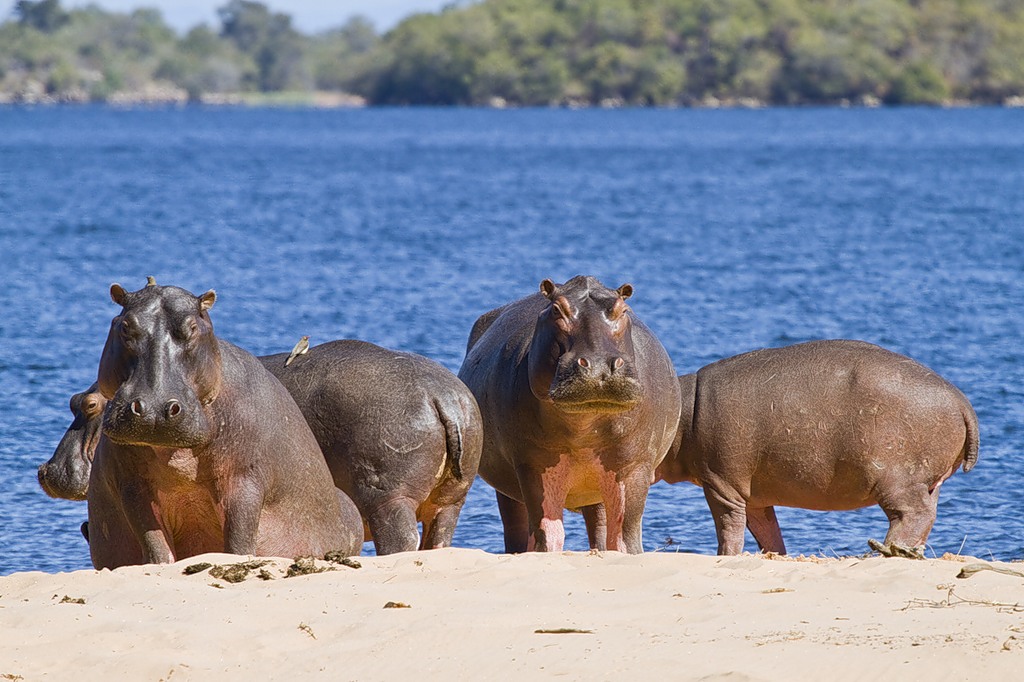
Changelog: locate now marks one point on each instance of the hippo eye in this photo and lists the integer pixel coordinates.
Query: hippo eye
(191, 330)
(91, 406)
(127, 328)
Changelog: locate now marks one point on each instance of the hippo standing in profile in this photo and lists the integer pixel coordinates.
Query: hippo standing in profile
(580, 403)
(202, 449)
(66, 474)
(401, 435)
(824, 425)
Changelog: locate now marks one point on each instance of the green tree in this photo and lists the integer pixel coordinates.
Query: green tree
(268, 37)
(46, 16)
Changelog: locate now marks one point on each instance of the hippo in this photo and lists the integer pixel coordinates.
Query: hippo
(579, 402)
(401, 435)
(66, 474)
(824, 425)
(202, 450)
(337, 388)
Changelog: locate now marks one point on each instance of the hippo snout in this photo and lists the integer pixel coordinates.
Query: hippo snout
(587, 384)
(60, 483)
(147, 420)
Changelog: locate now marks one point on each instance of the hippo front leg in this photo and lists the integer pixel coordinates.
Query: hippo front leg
(139, 510)
(730, 516)
(624, 502)
(242, 509)
(544, 495)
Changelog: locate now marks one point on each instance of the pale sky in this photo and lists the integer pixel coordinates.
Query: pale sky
(309, 16)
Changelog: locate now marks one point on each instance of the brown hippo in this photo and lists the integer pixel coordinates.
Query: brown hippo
(401, 435)
(579, 401)
(66, 474)
(424, 406)
(825, 425)
(202, 449)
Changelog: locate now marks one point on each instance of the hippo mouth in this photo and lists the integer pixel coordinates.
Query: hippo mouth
(594, 406)
(603, 396)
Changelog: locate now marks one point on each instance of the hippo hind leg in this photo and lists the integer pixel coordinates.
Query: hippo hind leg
(515, 522)
(764, 526)
(911, 513)
(596, 519)
(439, 525)
(394, 526)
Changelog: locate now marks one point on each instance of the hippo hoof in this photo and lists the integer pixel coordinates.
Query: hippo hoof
(894, 550)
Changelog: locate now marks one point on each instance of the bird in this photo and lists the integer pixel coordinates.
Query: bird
(301, 348)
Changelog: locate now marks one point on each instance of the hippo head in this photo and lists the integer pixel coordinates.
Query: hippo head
(160, 368)
(582, 358)
(66, 474)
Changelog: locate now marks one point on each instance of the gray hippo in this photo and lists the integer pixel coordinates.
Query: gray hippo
(825, 425)
(580, 404)
(202, 449)
(401, 435)
(66, 474)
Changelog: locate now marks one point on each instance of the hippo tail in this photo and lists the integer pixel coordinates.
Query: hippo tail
(452, 439)
(971, 443)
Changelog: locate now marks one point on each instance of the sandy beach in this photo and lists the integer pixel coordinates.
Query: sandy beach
(467, 614)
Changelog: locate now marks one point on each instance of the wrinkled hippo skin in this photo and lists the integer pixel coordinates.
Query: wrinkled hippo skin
(401, 435)
(580, 404)
(202, 449)
(825, 425)
(66, 474)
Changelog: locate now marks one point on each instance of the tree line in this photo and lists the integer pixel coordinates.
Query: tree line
(535, 53)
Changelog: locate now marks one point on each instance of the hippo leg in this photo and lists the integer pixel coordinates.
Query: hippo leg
(111, 540)
(544, 496)
(394, 526)
(614, 495)
(634, 491)
(911, 515)
(140, 506)
(597, 526)
(764, 526)
(439, 526)
(730, 521)
(515, 522)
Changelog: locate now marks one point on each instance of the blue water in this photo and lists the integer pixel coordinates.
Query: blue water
(738, 230)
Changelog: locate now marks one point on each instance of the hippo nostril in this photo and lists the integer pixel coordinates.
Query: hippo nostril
(138, 408)
(583, 362)
(172, 409)
(617, 363)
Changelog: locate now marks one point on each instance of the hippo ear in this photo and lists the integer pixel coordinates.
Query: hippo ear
(150, 281)
(117, 294)
(625, 291)
(547, 287)
(207, 300)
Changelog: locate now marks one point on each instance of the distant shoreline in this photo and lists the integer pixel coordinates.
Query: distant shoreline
(174, 97)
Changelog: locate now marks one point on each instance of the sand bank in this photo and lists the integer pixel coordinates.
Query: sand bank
(466, 614)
